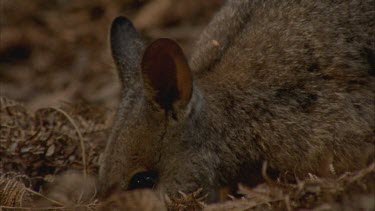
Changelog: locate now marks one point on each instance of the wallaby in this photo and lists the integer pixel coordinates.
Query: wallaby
(289, 82)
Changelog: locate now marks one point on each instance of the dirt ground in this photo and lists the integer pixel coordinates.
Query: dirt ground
(58, 92)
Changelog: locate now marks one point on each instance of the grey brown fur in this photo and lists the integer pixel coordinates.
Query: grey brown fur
(288, 82)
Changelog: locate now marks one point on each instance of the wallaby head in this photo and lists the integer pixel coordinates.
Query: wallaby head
(157, 97)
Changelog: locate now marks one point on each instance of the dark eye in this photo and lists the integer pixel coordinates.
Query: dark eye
(146, 179)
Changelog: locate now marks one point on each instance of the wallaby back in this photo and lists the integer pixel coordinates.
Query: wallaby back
(288, 82)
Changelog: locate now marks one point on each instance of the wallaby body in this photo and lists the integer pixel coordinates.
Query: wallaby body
(287, 82)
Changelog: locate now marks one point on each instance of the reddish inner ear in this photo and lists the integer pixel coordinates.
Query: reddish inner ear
(166, 73)
(160, 75)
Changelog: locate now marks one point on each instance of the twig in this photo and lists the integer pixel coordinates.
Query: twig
(40, 195)
(80, 139)
(83, 152)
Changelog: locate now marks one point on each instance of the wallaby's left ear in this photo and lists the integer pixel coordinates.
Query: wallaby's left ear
(126, 46)
(166, 74)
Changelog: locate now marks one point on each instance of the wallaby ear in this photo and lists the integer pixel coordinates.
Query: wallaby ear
(166, 74)
(126, 46)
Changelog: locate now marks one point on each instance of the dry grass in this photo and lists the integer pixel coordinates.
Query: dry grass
(12, 192)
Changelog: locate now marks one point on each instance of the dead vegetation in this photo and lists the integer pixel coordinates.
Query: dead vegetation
(57, 52)
(38, 148)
